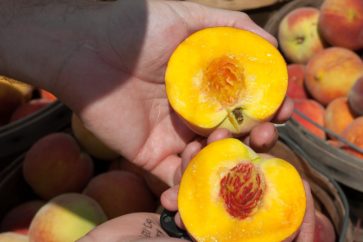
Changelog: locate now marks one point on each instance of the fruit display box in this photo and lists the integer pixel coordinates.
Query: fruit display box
(329, 154)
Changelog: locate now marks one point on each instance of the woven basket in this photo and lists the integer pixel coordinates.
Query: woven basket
(17, 136)
(328, 195)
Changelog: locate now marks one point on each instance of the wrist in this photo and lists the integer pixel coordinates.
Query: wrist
(38, 37)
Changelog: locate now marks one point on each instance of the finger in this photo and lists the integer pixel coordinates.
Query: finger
(219, 134)
(263, 137)
(307, 228)
(169, 198)
(285, 111)
(167, 168)
(178, 221)
(190, 151)
(198, 17)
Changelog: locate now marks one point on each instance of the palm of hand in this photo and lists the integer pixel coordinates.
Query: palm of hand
(129, 111)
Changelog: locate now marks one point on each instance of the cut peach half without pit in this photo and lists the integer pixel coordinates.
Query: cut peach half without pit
(229, 193)
(225, 77)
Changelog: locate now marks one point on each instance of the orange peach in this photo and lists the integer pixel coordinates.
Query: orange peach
(120, 192)
(67, 217)
(213, 81)
(331, 73)
(295, 88)
(354, 134)
(90, 142)
(55, 164)
(13, 93)
(314, 111)
(355, 97)
(18, 219)
(13, 237)
(324, 229)
(298, 34)
(47, 95)
(28, 108)
(25, 89)
(338, 115)
(341, 23)
(10, 99)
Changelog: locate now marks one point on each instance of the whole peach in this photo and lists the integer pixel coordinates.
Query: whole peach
(331, 73)
(355, 97)
(90, 142)
(295, 88)
(298, 34)
(341, 23)
(338, 115)
(120, 192)
(24, 88)
(18, 219)
(55, 164)
(47, 95)
(29, 108)
(354, 134)
(314, 111)
(10, 99)
(66, 217)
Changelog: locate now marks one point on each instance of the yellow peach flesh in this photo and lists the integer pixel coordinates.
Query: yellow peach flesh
(203, 211)
(218, 70)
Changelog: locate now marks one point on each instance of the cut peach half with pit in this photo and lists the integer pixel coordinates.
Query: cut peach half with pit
(230, 193)
(225, 77)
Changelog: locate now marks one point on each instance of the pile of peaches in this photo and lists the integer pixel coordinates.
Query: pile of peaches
(78, 184)
(323, 46)
(18, 100)
(228, 192)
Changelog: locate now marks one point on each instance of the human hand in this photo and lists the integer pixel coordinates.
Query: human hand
(133, 227)
(169, 197)
(135, 118)
(106, 61)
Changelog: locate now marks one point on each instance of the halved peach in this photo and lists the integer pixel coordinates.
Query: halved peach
(230, 193)
(225, 77)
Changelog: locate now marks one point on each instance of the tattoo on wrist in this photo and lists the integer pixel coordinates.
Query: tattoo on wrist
(151, 229)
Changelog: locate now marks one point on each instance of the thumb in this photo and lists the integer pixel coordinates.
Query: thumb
(198, 16)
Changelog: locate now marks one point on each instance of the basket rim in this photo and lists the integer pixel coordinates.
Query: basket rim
(299, 151)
